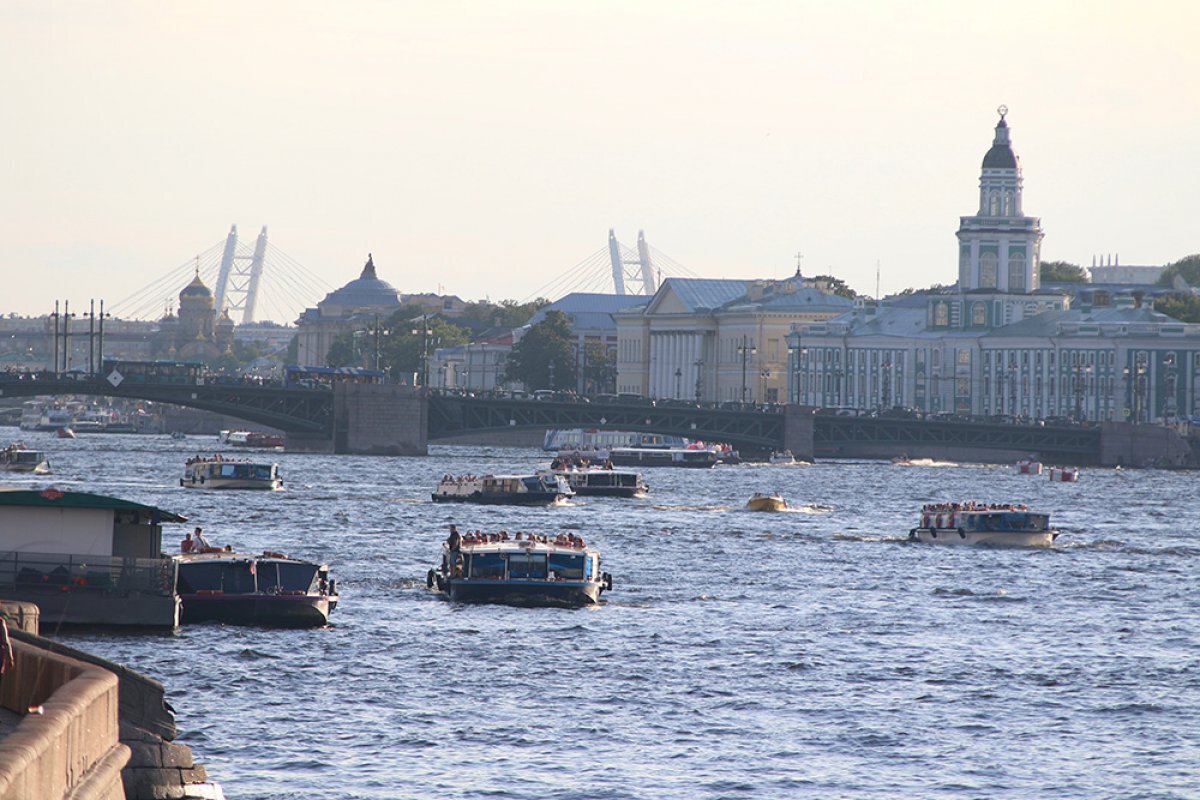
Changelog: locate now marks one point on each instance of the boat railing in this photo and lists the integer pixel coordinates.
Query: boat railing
(25, 571)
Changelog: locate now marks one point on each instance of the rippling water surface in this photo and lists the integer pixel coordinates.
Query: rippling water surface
(808, 654)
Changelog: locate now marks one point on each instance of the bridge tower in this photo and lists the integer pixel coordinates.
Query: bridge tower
(636, 274)
(237, 282)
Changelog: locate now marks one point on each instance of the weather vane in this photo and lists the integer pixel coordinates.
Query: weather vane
(1003, 111)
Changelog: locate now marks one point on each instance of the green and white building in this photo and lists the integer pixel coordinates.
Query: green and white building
(996, 343)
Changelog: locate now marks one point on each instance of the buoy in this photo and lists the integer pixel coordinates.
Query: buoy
(429, 579)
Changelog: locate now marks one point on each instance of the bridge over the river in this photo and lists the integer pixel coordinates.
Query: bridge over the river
(399, 420)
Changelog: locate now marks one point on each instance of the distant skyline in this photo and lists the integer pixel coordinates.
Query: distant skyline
(487, 148)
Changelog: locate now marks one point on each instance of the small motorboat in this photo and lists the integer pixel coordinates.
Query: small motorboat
(1029, 466)
(784, 457)
(1063, 474)
(766, 502)
(65, 433)
(995, 524)
(527, 570)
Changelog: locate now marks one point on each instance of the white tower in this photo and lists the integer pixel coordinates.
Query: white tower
(999, 248)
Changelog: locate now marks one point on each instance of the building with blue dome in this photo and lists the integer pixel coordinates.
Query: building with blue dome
(359, 302)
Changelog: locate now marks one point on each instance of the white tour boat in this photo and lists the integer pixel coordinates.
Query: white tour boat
(218, 472)
(540, 489)
(997, 524)
(19, 458)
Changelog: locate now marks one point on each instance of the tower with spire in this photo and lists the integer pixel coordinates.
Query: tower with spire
(999, 247)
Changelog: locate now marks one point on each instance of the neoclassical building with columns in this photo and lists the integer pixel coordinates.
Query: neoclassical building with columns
(996, 343)
(717, 339)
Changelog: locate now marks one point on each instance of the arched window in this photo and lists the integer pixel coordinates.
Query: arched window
(1016, 271)
(941, 314)
(987, 271)
(978, 314)
(994, 204)
(1008, 203)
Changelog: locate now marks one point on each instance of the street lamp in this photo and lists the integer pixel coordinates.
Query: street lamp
(425, 332)
(679, 382)
(1080, 372)
(699, 380)
(763, 377)
(746, 349)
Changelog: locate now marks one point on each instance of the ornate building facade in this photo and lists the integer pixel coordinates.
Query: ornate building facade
(350, 308)
(196, 333)
(996, 344)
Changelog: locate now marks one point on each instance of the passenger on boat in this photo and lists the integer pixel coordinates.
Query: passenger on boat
(201, 542)
(188, 544)
(455, 538)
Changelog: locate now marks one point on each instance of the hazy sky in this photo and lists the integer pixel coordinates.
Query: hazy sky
(487, 147)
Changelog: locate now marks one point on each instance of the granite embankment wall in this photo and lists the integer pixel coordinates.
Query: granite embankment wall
(105, 731)
(71, 749)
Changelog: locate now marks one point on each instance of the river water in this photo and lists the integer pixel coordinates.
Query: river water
(808, 654)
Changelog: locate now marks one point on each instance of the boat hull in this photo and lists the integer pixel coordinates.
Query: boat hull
(277, 611)
(232, 483)
(502, 499)
(524, 593)
(766, 504)
(651, 461)
(610, 491)
(957, 536)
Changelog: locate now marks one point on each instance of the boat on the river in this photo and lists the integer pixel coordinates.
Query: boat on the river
(220, 585)
(1029, 466)
(996, 524)
(252, 439)
(1063, 474)
(696, 457)
(603, 481)
(19, 458)
(65, 433)
(539, 489)
(766, 502)
(218, 472)
(524, 569)
(783, 457)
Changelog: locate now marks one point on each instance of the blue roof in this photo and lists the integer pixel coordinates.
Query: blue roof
(591, 311)
(697, 293)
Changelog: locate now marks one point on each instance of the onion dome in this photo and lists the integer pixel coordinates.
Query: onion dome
(196, 289)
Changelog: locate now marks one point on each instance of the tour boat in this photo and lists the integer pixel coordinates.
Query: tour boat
(543, 488)
(782, 457)
(1063, 474)
(65, 433)
(252, 439)
(218, 472)
(702, 458)
(219, 585)
(601, 481)
(1029, 466)
(526, 569)
(18, 458)
(766, 502)
(997, 524)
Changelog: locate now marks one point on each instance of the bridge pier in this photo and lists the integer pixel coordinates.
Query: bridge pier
(798, 431)
(379, 420)
(1129, 445)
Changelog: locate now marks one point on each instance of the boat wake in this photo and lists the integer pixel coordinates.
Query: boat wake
(690, 508)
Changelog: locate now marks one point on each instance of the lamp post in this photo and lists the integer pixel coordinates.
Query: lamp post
(1081, 372)
(679, 382)
(886, 394)
(699, 380)
(763, 377)
(425, 332)
(746, 349)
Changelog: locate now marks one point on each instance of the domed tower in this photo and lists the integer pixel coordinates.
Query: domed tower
(225, 326)
(196, 315)
(999, 248)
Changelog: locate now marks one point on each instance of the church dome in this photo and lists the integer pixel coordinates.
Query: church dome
(195, 289)
(365, 291)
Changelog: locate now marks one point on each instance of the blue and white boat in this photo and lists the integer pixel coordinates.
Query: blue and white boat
(531, 570)
(996, 524)
(540, 489)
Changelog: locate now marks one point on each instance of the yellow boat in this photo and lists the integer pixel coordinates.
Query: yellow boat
(766, 502)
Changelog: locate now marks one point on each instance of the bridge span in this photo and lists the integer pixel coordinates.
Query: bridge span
(401, 420)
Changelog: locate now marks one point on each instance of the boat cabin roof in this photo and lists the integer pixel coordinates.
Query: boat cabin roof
(232, 556)
(55, 498)
(525, 546)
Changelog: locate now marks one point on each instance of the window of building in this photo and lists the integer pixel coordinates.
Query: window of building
(964, 356)
(941, 314)
(978, 314)
(1016, 271)
(987, 270)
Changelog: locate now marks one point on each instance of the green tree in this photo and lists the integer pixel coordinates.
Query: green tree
(599, 368)
(837, 286)
(293, 350)
(1180, 306)
(1187, 268)
(482, 315)
(406, 344)
(544, 358)
(1063, 272)
(343, 351)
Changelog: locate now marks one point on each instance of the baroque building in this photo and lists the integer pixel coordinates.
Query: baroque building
(196, 333)
(996, 343)
(350, 308)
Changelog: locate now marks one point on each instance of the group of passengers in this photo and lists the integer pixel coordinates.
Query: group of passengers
(458, 479)
(563, 463)
(971, 505)
(456, 540)
(198, 459)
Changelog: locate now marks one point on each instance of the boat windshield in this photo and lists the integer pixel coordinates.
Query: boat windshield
(486, 565)
(276, 576)
(567, 566)
(527, 565)
(240, 469)
(226, 577)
